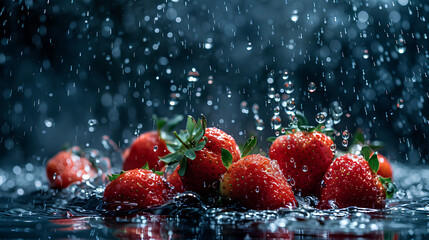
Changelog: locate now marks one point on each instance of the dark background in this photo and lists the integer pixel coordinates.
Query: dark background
(63, 63)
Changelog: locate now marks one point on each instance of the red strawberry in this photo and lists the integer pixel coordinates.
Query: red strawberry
(385, 169)
(137, 188)
(150, 146)
(350, 181)
(200, 156)
(147, 148)
(175, 180)
(68, 167)
(257, 182)
(304, 158)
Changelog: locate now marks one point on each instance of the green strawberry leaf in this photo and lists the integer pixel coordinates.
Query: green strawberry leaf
(389, 187)
(171, 157)
(190, 125)
(366, 152)
(159, 122)
(171, 167)
(173, 122)
(115, 176)
(146, 166)
(271, 139)
(190, 153)
(302, 120)
(307, 128)
(373, 162)
(200, 145)
(358, 137)
(226, 158)
(159, 173)
(249, 145)
(183, 164)
(328, 131)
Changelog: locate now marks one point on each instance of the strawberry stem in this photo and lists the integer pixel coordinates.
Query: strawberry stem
(180, 140)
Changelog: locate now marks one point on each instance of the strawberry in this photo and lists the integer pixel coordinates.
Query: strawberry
(303, 155)
(256, 182)
(68, 167)
(148, 147)
(351, 180)
(199, 156)
(135, 189)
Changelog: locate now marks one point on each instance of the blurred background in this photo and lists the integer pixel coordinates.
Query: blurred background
(73, 71)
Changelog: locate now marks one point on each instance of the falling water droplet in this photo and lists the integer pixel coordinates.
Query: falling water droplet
(345, 142)
(276, 111)
(321, 117)
(277, 97)
(400, 45)
(155, 148)
(259, 124)
(249, 46)
(271, 92)
(365, 54)
(289, 88)
(400, 103)
(193, 75)
(333, 147)
(244, 108)
(290, 105)
(346, 134)
(312, 87)
(304, 168)
(276, 122)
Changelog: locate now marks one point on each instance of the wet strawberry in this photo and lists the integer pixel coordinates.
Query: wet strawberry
(303, 158)
(68, 167)
(147, 148)
(257, 182)
(352, 181)
(135, 189)
(199, 156)
(150, 146)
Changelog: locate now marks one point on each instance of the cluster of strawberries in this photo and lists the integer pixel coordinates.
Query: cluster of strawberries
(208, 162)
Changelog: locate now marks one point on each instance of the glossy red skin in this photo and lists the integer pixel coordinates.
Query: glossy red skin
(66, 168)
(350, 181)
(136, 189)
(385, 169)
(174, 180)
(294, 151)
(143, 151)
(257, 182)
(203, 173)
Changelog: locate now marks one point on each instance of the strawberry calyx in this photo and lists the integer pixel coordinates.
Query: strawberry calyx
(146, 167)
(165, 125)
(300, 124)
(247, 149)
(186, 143)
(359, 139)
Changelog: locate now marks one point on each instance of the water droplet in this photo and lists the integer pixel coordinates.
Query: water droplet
(92, 122)
(400, 45)
(285, 75)
(346, 134)
(244, 108)
(155, 148)
(49, 122)
(345, 142)
(276, 111)
(312, 87)
(259, 124)
(193, 75)
(321, 117)
(304, 168)
(271, 92)
(249, 46)
(336, 112)
(255, 108)
(276, 122)
(290, 105)
(400, 103)
(277, 133)
(333, 147)
(289, 88)
(277, 97)
(365, 54)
